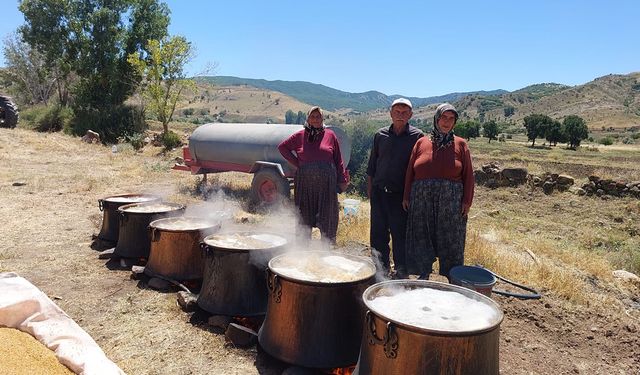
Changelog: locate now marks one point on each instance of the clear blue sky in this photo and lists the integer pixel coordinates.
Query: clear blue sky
(416, 48)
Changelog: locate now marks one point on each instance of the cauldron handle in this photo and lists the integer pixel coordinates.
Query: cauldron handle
(153, 234)
(273, 284)
(389, 341)
(100, 201)
(204, 248)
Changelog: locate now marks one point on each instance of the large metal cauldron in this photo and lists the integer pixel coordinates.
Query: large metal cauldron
(175, 247)
(315, 323)
(133, 236)
(111, 219)
(391, 346)
(234, 272)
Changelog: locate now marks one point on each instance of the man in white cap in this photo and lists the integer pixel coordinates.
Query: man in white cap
(385, 185)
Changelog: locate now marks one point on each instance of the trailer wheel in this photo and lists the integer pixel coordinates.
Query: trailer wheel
(269, 187)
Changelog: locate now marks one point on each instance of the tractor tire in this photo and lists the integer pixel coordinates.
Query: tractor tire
(269, 187)
(8, 113)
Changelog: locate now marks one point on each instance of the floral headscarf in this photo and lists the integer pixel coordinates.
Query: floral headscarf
(437, 137)
(311, 132)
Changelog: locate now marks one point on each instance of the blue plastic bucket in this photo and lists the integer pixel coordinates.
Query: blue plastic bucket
(474, 278)
(351, 206)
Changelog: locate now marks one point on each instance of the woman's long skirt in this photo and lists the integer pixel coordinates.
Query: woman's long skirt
(435, 226)
(317, 198)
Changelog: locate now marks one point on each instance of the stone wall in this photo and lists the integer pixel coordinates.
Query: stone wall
(550, 182)
(601, 187)
(492, 176)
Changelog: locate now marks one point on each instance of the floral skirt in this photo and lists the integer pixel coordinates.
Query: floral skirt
(317, 198)
(435, 226)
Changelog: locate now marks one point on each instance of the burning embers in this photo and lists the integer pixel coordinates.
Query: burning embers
(341, 370)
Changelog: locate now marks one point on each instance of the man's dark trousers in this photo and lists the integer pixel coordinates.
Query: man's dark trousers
(388, 218)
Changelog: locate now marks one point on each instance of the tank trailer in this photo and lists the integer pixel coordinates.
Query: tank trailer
(249, 148)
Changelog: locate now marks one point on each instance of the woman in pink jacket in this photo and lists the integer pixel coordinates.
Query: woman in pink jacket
(320, 174)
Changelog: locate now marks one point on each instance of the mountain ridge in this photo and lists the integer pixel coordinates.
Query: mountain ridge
(609, 101)
(334, 99)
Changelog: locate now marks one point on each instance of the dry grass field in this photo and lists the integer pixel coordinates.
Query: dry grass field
(238, 104)
(565, 246)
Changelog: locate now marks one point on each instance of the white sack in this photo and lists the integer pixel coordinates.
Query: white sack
(25, 307)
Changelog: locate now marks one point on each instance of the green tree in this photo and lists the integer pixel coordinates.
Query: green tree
(290, 117)
(361, 133)
(468, 129)
(575, 129)
(301, 118)
(554, 133)
(93, 39)
(423, 124)
(536, 126)
(32, 80)
(509, 111)
(164, 80)
(490, 130)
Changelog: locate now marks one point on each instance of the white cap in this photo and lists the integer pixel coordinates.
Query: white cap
(404, 101)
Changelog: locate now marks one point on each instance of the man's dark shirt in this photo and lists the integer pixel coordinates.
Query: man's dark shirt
(389, 157)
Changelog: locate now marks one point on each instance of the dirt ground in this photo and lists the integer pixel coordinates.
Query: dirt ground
(49, 188)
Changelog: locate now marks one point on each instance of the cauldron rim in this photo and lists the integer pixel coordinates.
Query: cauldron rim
(176, 207)
(215, 224)
(440, 286)
(324, 283)
(152, 196)
(237, 250)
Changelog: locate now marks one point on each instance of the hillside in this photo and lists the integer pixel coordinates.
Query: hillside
(332, 99)
(612, 101)
(237, 104)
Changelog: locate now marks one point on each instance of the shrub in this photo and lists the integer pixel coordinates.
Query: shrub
(54, 119)
(46, 119)
(136, 140)
(110, 124)
(171, 140)
(607, 141)
(187, 111)
(29, 116)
